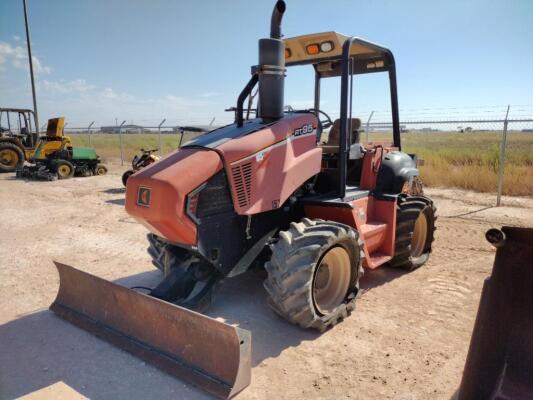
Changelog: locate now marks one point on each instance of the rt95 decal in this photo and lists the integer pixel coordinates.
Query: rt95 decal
(304, 130)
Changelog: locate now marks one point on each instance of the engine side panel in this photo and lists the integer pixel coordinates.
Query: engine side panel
(156, 196)
(265, 167)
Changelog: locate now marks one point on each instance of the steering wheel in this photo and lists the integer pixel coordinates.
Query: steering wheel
(326, 123)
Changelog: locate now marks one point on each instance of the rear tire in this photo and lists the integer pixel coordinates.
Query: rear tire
(299, 288)
(415, 227)
(11, 157)
(64, 169)
(126, 175)
(100, 170)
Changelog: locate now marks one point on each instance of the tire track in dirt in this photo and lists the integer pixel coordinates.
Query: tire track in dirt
(451, 296)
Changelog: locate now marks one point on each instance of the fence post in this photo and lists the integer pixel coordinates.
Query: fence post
(121, 146)
(89, 133)
(367, 128)
(503, 145)
(159, 135)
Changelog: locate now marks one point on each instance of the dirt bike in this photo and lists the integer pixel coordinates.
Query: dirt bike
(139, 162)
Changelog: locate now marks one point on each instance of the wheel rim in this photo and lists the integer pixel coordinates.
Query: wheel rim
(331, 280)
(420, 232)
(9, 157)
(63, 170)
(101, 171)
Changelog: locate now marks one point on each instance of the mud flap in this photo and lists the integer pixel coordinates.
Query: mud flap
(203, 351)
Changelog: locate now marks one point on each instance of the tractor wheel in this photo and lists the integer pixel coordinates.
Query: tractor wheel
(126, 175)
(313, 274)
(11, 157)
(64, 169)
(195, 281)
(100, 169)
(415, 228)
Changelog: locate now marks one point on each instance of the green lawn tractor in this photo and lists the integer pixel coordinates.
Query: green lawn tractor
(56, 158)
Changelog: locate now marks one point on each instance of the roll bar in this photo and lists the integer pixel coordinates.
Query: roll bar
(345, 74)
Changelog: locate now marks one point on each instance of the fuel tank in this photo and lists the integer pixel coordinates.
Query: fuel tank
(253, 168)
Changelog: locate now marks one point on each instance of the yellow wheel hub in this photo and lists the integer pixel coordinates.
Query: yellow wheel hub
(332, 279)
(420, 233)
(63, 170)
(9, 157)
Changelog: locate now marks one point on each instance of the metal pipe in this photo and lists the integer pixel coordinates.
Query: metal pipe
(182, 132)
(271, 69)
(121, 145)
(159, 135)
(350, 104)
(342, 163)
(275, 21)
(317, 91)
(30, 60)
(242, 97)
(89, 132)
(368, 125)
(394, 103)
(503, 145)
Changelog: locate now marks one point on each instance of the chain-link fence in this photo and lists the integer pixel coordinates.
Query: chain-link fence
(486, 155)
(483, 154)
(122, 142)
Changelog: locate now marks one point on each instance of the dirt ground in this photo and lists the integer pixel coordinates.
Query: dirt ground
(407, 339)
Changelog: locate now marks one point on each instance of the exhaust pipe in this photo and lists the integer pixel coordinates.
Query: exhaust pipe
(272, 69)
(275, 21)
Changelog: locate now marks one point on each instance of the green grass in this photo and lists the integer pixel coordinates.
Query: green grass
(108, 145)
(462, 160)
(471, 160)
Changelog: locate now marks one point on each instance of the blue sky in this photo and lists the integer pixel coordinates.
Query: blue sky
(186, 61)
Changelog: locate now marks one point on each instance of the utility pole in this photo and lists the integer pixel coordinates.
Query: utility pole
(30, 60)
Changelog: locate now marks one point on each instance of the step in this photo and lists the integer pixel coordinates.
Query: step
(373, 235)
(377, 259)
(372, 228)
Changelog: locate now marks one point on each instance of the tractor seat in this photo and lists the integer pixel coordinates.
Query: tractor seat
(332, 145)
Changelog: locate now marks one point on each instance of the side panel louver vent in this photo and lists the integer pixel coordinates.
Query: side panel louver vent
(242, 177)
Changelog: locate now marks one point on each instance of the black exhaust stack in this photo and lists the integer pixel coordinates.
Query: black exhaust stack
(271, 69)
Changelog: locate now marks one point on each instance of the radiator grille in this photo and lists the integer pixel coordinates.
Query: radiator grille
(242, 177)
(215, 197)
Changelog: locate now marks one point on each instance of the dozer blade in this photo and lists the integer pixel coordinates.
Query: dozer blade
(209, 354)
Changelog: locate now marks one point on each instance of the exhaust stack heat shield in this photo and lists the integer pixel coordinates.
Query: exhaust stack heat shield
(207, 353)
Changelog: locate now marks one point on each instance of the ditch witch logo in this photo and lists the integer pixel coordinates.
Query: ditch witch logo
(143, 197)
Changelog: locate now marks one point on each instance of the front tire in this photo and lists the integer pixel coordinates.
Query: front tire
(126, 175)
(64, 169)
(11, 157)
(313, 275)
(415, 228)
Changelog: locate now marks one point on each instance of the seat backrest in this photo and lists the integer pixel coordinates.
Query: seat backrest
(334, 133)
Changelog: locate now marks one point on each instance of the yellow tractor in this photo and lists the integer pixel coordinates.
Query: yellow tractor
(55, 157)
(18, 137)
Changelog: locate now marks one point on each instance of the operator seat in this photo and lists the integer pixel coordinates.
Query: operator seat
(332, 145)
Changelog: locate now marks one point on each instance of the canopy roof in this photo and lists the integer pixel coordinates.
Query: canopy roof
(369, 57)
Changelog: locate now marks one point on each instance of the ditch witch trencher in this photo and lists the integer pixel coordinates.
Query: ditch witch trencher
(267, 191)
